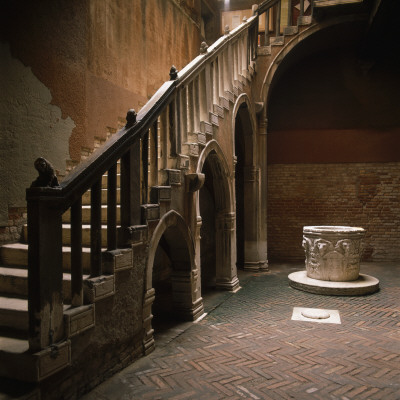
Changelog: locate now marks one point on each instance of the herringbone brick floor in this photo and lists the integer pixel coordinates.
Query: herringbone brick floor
(247, 347)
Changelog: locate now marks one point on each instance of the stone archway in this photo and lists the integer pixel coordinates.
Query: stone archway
(217, 188)
(171, 244)
(251, 253)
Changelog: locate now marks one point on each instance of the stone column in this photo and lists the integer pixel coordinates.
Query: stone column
(187, 303)
(263, 185)
(148, 331)
(253, 258)
(226, 274)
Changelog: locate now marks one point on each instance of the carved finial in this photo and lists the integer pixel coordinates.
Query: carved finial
(130, 118)
(226, 29)
(173, 73)
(203, 48)
(47, 176)
(254, 9)
(244, 19)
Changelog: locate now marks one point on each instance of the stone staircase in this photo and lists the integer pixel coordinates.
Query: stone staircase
(14, 323)
(16, 360)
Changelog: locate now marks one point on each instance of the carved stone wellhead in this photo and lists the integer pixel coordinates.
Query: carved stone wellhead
(333, 252)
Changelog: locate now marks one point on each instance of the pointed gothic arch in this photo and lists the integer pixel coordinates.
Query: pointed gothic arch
(219, 182)
(249, 225)
(174, 236)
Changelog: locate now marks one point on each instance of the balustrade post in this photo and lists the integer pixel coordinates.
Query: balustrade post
(112, 208)
(130, 192)
(278, 20)
(172, 129)
(164, 132)
(196, 105)
(145, 169)
(221, 76)
(153, 155)
(95, 230)
(76, 254)
(190, 108)
(182, 95)
(245, 65)
(215, 82)
(45, 300)
(266, 33)
(177, 124)
(235, 61)
(207, 90)
(289, 17)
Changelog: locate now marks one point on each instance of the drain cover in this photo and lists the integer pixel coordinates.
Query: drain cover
(315, 314)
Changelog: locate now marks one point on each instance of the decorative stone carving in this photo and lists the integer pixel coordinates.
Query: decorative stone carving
(47, 176)
(173, 73)
(194, 182)
(333, 252)
(203, 48)
(130, 118)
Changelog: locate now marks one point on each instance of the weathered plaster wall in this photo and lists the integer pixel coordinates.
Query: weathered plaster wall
(81, 66)
(132, 46)
(31, 126)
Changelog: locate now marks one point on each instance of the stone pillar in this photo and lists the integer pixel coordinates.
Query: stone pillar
(187, 303)
(263, 184)
(226, 274)
(148, 331)
(254, 260)
(197, 260)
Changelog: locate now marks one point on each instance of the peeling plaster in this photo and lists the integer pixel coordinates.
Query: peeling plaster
(30, 126)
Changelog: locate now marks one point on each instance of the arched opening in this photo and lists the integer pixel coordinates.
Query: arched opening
(216, 221)
(162, 309)
(171, 293)
(243, 133)
(207, 231)
(331, 133)
(247, 190)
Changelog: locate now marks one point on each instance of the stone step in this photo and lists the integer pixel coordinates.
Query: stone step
(14, 313)
(16, 254)
(14, 282)
(66, 218)
(66, 235)
(17, 362)
(104, 181)
(86, 197)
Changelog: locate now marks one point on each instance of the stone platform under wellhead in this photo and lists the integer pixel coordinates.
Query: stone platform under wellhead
(365, 284)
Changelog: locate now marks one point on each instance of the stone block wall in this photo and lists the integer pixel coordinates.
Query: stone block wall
(17, 217)
(359, 194)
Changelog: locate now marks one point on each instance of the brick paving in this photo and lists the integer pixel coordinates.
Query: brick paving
(247, 347)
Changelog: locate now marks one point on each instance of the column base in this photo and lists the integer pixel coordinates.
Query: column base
(190, 313)
(256, 266)
(231, 286)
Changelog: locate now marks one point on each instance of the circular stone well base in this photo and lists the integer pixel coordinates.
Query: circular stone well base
(365, 284)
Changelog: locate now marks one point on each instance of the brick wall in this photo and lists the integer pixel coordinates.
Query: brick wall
(17, 217)
(359, 194)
